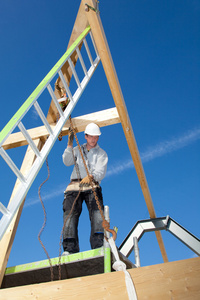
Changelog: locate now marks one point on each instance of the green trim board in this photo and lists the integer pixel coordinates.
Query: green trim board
(55, 261)
(39, 89)
(107, 260)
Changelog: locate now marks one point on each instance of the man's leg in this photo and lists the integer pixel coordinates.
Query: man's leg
(97, 231)
(70, 235)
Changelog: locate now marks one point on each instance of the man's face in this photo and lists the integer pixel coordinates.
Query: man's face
(91, 140)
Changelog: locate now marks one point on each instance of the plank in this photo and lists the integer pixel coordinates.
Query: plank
(102, 118)
(172, 280)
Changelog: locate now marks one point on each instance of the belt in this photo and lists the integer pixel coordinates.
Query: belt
(76, 180)
(79, 180)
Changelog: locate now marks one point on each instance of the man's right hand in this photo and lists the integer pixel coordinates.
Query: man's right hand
(70, 138)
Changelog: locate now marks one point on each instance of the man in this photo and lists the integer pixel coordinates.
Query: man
(80, 189)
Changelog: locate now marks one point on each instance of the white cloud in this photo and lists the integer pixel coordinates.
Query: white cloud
(59, 190)
(171, 145)
(158, 150)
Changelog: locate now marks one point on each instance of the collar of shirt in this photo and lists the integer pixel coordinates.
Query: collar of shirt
(95, 149)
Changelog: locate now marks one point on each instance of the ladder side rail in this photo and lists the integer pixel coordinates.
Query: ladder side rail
(95, 64)
(184, 236)
(28, 138)
(42, 117)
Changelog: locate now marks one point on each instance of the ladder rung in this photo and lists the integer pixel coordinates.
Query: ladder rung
(65, 85)
(55, 100)
(81, 61)
(88, 51)
(94, 45)
(28, 138)
(90, 72)
(12, 165)
(74, 72)
(4, 210)
(43, 118)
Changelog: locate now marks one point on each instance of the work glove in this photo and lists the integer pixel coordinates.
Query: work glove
(70, 137)
(86, 181)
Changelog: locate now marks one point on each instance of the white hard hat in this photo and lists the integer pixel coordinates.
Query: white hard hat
(92, 129)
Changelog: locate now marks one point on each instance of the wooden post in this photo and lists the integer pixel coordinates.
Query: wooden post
(108, 65)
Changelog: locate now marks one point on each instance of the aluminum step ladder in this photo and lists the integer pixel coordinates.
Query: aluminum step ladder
(91, 56)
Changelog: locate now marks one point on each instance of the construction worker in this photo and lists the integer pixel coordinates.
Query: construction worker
(80, 189)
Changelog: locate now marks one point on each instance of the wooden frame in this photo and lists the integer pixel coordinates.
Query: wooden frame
(121, 115)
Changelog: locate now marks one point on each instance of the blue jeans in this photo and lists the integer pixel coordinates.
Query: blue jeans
(70, 235)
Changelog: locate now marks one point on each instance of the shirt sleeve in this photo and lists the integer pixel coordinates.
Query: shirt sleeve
(68, 157)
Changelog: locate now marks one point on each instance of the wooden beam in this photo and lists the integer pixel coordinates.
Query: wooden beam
(108, 65)
(102, 118)
(80, 24)
(174, 280)
(8, 238)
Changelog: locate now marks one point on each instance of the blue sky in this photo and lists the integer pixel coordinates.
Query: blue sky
(155, 48)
